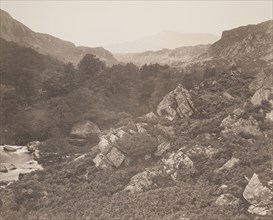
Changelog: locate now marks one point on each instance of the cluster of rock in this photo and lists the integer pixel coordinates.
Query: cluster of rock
(177, 103)
(235, 124)
(112, 156)
(169, 165)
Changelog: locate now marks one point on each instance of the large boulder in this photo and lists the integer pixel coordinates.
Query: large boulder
(85, 129)
(259, 196)
(116, 157)
(177, 103)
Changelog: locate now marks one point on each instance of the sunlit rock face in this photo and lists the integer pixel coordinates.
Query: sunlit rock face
(177, 103)
(246, 42)
(17, 161)
(259, 197)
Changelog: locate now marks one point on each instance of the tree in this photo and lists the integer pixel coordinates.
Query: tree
(90, 65)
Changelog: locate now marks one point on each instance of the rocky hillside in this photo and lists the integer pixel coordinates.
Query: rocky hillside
(13, 30)
(205, 153)
(173, 57)
(247, 43)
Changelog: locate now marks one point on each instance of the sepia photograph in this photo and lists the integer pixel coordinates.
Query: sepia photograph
(136, 110)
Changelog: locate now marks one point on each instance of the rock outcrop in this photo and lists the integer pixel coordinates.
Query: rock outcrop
(113, 156)
(259, 196)
(85, 129)
(177, 103)
(237, 125)
(110, 156)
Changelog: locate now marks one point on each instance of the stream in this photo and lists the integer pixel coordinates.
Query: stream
(15, 160)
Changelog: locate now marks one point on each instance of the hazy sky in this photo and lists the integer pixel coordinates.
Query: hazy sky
(98, 23)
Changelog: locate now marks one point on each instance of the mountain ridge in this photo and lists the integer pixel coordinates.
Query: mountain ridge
(66, 51)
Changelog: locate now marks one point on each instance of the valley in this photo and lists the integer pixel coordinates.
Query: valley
(182, 133)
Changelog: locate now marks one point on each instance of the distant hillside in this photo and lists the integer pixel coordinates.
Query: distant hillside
(165, 56)
(246, 42)
(165, 39)
(13, 30)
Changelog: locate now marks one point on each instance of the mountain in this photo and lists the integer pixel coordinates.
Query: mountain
(165, 56)
(165, 39)
(13, 30)
(247, 43)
